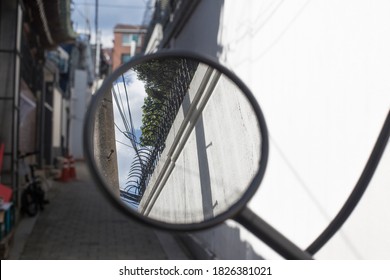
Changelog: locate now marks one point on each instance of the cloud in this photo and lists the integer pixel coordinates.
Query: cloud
(110, 13)
(135, 95)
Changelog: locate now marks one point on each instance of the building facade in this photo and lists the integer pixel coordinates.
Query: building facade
(32, 100)
(128, 41)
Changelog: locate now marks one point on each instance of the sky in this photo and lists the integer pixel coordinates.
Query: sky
(136, 95)
(111, 12)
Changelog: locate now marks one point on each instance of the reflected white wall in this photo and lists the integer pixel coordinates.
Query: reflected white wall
(196, 178)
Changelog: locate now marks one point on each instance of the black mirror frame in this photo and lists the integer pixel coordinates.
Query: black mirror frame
(117, 202)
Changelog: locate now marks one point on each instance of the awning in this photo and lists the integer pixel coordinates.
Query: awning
(53, 21)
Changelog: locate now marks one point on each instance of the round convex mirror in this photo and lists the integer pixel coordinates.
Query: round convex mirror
(176, 140)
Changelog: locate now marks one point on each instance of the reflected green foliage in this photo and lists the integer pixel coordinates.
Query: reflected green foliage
(158, 76)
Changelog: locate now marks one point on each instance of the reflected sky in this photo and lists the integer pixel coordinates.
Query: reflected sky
(129, 103)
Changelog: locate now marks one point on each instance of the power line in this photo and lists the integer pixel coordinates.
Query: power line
(112, 6)
(123, 143)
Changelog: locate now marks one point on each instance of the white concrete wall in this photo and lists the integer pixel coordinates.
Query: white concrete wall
(320, 71)
(57, 122)
(155, 39)
(196, 178)
(80, 95)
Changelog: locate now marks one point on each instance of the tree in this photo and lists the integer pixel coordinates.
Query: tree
(158, 76)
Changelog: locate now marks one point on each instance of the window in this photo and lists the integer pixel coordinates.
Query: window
(135, 38)
(127, 38)
(125, 58)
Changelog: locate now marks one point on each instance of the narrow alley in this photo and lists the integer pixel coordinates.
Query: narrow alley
(79, 223)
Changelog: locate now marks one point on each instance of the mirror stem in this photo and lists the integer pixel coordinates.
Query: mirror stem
(270, 236)
(357, 192)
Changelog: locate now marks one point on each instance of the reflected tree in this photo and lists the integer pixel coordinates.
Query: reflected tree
(158, 77)
(166, 82)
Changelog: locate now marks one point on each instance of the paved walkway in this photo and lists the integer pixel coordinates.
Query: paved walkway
(80, 224)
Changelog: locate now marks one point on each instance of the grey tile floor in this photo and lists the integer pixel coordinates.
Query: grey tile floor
(79, 223)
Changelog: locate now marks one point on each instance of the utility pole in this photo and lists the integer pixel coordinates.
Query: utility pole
(105, 153)
(97, 39)
(104, 138)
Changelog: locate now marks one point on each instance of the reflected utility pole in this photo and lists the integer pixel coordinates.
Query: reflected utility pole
(104, 138)
(97, 39)
(104, 143)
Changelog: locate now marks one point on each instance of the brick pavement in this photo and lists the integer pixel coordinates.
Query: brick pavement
(80, 224)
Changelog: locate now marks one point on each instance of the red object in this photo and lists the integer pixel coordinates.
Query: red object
(72, 168)
(65, 171)
(5, 193)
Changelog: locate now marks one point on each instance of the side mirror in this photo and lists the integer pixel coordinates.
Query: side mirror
(176, 140)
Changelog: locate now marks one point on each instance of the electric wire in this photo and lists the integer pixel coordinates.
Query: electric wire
(128, 108)
(123, 107)
(357, 192)
(130, 126)
(123, 143)
(119, 108)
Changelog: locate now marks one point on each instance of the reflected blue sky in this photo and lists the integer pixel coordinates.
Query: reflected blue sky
(130, 97)
(110, 13)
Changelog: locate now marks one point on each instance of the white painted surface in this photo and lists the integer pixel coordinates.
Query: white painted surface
(57, 111)
(80, 95)
(320, 71)
(155, 39)
(196, 178)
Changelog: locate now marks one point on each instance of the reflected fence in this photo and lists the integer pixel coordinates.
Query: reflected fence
(147, 156)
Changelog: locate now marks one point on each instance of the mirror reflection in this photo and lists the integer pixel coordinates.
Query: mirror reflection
(176, 140)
